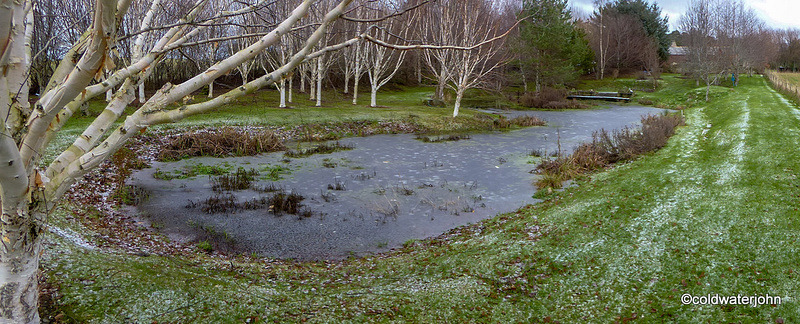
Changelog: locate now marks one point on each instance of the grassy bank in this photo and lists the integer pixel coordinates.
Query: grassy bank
(713, 212)
(674, 91)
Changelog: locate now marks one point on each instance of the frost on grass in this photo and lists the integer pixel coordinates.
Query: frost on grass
(72, 237)
(455, 288)
(731, 168)
(696, 122)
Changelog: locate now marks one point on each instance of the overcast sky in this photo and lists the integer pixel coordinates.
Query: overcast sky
(776, 13)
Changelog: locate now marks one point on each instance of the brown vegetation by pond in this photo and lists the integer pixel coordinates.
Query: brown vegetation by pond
(445, 138)
(224, 142)
(323, 148)
(519, 121)
(240, 180)
(278, 204)
(608, 148)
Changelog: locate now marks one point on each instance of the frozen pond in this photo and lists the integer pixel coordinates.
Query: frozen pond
(396, 188)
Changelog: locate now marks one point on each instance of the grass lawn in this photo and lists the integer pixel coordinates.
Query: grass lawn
(261, 108)
(714, 212)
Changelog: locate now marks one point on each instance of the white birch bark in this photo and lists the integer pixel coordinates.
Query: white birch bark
(312, 82)
(358, 69)
(282, 90)
(18, 63)
(142, 97)
(320, 76)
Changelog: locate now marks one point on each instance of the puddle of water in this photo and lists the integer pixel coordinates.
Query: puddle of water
(397, 188)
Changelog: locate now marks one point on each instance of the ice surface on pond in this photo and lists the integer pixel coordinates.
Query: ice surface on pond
(396, 188)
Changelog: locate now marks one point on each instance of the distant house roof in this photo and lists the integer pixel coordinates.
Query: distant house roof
(675, 50)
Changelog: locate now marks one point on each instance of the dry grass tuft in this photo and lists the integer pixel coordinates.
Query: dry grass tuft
(220, 143)
(520, 121)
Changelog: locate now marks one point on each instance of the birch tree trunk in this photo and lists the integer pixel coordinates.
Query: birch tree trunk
(457, 105)
(302, 80)
(346, 82)
(373, 102)
(357, 71)
(291, 78)
(320, 76)
(312, 83)
(282, 90)
(142, 98)
(466, 69)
